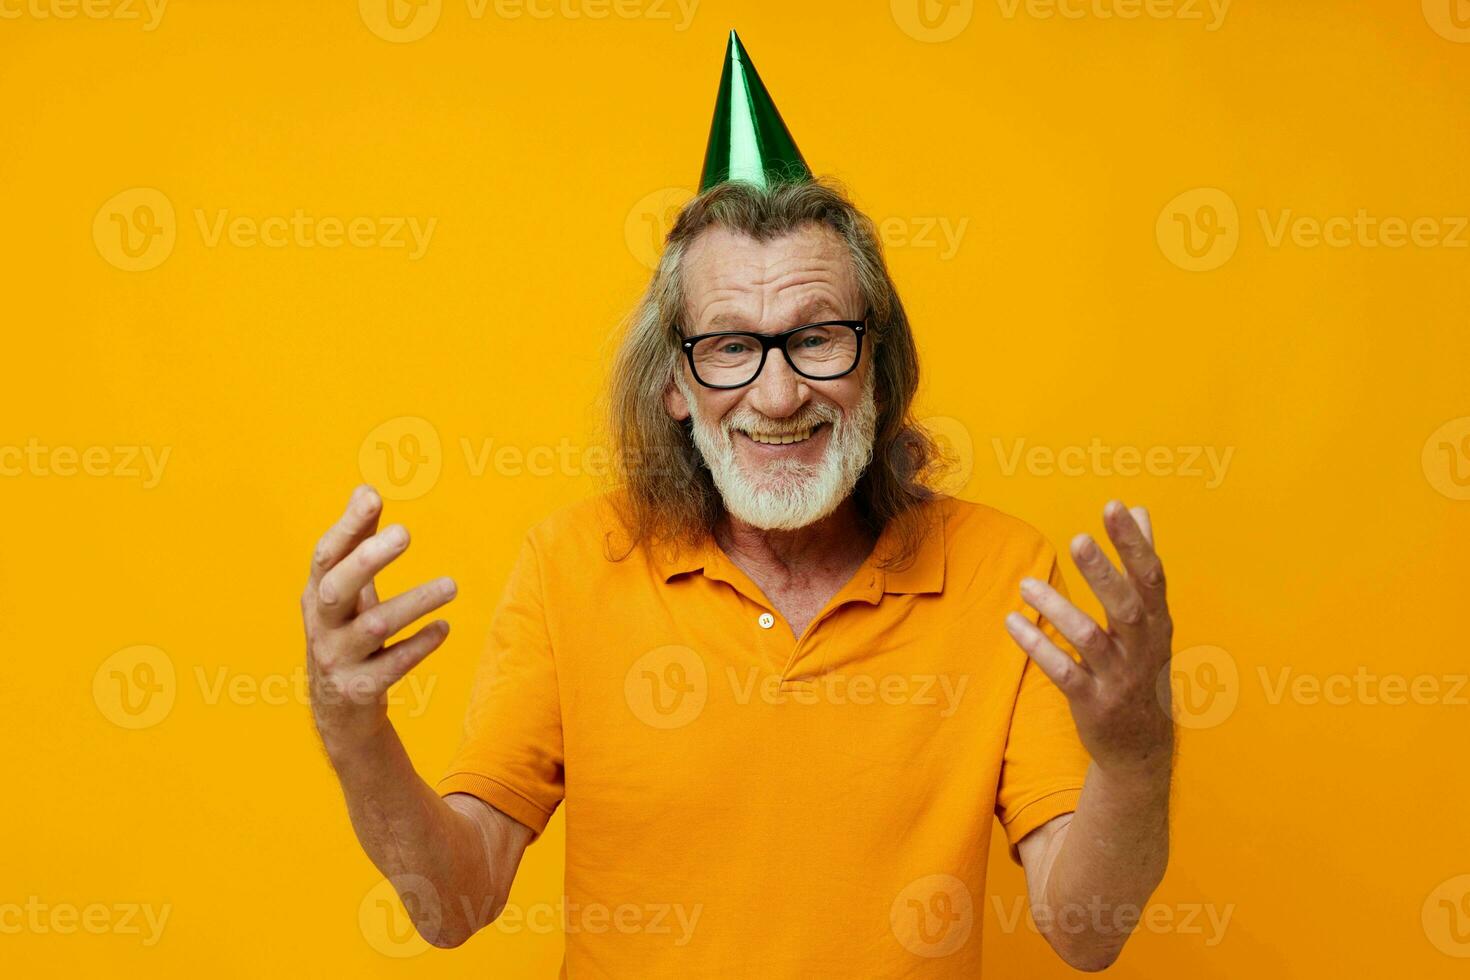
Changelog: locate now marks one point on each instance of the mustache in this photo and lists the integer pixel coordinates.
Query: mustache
(749, 420)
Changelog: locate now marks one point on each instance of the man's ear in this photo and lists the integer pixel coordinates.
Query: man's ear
(675, 403)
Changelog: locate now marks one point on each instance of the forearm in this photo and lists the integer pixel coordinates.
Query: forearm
(446, 868)
(1107, 864)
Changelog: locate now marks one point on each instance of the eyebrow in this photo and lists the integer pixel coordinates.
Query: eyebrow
(813, 311)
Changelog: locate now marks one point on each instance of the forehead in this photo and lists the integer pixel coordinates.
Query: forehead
(732, 281)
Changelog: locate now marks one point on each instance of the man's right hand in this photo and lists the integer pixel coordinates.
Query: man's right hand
(349, 669)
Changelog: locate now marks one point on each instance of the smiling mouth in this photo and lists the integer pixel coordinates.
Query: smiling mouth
(782, 439)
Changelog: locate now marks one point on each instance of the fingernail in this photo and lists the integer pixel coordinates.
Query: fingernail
(448, 587)
(1029, 585)
(396, 536)
(1087, 548)
(1015, 622)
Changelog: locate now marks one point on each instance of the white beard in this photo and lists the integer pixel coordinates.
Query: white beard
(787, 494)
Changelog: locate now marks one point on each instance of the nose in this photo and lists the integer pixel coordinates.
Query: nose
(779, 391)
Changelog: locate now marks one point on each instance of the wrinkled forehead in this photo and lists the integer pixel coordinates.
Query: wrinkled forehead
(733, 282)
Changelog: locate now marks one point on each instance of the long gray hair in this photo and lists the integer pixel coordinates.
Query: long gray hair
(668, 495)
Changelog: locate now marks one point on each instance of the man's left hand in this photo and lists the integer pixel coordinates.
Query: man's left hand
(1121, 709)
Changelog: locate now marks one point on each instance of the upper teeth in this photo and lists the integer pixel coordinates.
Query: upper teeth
(776, 440)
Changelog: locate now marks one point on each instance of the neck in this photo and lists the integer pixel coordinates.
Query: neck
(838, 541)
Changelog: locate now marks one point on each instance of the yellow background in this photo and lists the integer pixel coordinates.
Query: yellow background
(547, 149)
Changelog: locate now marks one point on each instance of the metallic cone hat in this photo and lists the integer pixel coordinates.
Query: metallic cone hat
(747, 140)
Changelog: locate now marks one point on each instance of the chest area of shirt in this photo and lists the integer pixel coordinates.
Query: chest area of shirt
(698, 651)
(797, 605)
(870, 709)
(797, 599)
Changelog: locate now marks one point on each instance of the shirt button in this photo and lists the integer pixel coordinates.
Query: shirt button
(766, 620)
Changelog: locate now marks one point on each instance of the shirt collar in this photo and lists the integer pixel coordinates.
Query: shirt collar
(924, 574)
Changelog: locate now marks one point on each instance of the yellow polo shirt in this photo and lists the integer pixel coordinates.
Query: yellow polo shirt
(743, 803)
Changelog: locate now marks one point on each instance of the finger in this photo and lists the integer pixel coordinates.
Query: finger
(367, 597)
(387, 618)
(357, 522)
(1091, 641)
(1144, 522)
(1054, 662)
(1119, 598)
(395, 661)
(1144, 569)
(347, 578)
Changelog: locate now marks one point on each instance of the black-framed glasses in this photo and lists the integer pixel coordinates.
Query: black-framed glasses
(819, 351)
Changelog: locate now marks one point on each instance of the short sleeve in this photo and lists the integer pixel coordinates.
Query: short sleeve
(511, 756)
(1045, 763)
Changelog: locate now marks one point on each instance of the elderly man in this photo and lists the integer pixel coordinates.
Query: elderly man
(769, 675)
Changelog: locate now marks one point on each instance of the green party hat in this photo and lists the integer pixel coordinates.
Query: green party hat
(747, 140)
